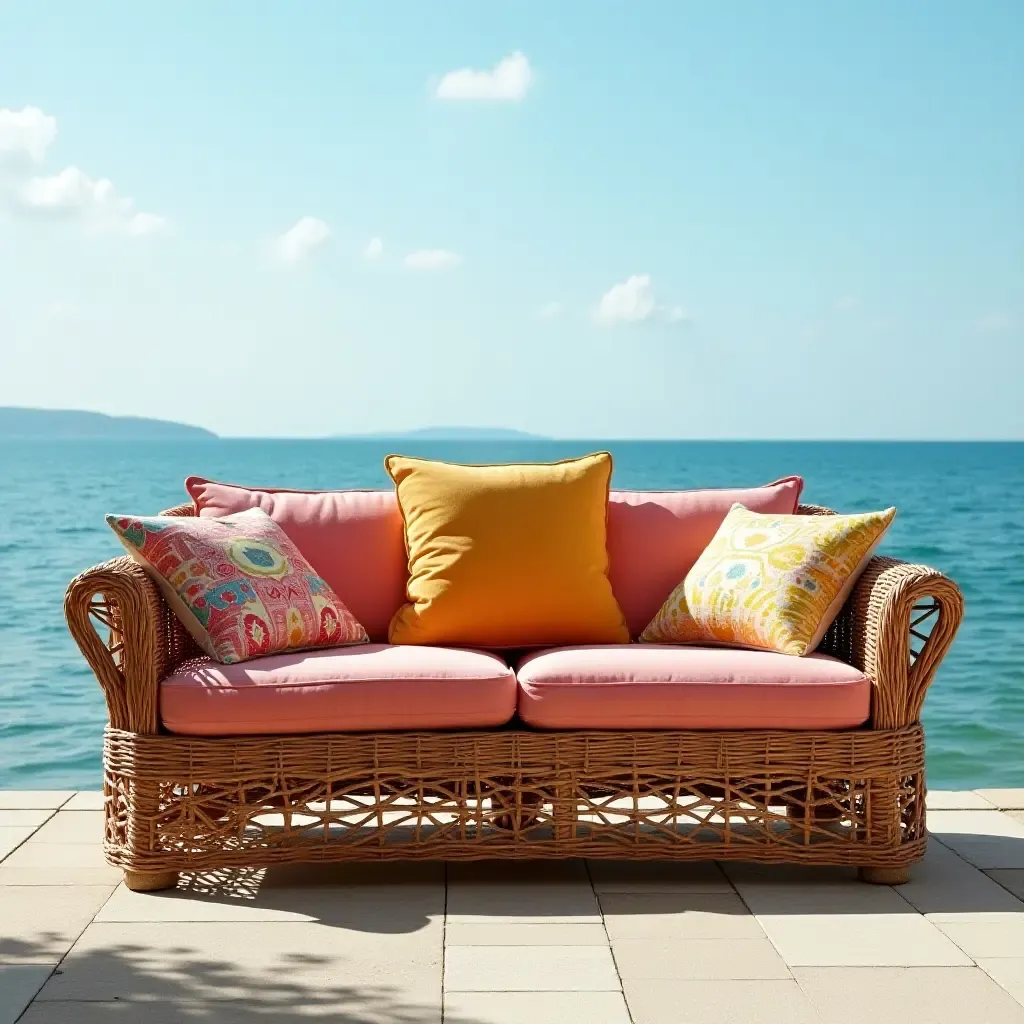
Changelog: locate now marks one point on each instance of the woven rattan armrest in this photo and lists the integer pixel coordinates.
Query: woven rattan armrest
(896, 628)
(138, 653)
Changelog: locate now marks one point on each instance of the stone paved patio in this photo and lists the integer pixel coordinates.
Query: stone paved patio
(516, 943)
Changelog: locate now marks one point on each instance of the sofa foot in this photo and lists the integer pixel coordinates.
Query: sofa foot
(884, 876)
(150, 881)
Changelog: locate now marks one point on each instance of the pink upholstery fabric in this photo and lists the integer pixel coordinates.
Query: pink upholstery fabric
(345, 689)
(654, 537)
(353, 539)
(669, 687)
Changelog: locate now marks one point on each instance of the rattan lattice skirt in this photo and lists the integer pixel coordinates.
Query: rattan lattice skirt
(179, 803)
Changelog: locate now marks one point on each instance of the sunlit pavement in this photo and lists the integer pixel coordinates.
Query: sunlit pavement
(513, 943)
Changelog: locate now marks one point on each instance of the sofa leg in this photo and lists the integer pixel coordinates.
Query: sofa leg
(884, 876)
(150, 881)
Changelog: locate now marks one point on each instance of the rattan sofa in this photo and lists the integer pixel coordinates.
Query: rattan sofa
(185, 804)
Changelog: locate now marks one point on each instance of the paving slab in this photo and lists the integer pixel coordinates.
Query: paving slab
(272, 964)
(706, 1002)
(848, 926)
(529, 969)
(657, 876)
(787, 875)
(72, 827)
(519, 872)
(1004, 799)
(24, 818)
(984, 935)
(568, 903)
(391, 873)
(354, 1007)
(369, 908)
(34, 800)
(1009, 878)
(677, 916)
(87, 800)
(922, 995)
(957, 800)
(1007, 972)
(544, 933)
(945, 824)
(943, 883)
(986, 839)
(36, 863)
(39, 924)
(698, 959)
(18, 985)
(11, 837)
(535, 1007)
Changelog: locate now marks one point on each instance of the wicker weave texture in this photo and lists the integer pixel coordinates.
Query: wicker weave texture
(854, 797)
(826, 798)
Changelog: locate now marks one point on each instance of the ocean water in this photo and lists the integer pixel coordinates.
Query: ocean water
(961, 509)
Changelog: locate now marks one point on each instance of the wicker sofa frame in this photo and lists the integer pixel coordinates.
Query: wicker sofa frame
(184, 804)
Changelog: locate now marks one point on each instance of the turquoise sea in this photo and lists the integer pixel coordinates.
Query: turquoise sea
(961, 509)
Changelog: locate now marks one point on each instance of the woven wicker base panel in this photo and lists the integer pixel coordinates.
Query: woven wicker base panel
(179, 803)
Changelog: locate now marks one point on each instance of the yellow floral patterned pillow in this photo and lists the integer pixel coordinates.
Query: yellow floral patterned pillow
(772, 582)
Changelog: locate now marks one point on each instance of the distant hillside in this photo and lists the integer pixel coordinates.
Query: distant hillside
(73, 423)
(453, 434)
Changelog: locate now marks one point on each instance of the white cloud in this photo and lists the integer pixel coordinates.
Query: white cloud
(72, 193)
(633, 301)
(432, 259)
(550, 310)
(630, 302)
(847, 303)
(301, 239)
(25, 137)
(26, 133)
(374, 250)
(508, 80)
(71, 190)
(146, 224)
(996, 322)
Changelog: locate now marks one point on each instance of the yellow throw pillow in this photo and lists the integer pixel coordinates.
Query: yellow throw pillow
(506, 556)
(772, 582)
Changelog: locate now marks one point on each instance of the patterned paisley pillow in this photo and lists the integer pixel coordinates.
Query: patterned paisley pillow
(772, 582)
(238, 584)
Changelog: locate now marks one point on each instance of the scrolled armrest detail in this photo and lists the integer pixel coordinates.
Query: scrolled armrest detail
(119, 595)
(884, 631)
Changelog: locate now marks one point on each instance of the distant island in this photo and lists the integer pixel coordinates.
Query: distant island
(64, 424)
(449, 434)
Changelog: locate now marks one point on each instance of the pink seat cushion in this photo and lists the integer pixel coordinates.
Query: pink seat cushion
(374, 687)
(353, 539)
(668, 687)
(654, 538)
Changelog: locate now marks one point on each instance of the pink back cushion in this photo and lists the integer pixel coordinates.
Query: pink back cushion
(654, 538)
(354, 539)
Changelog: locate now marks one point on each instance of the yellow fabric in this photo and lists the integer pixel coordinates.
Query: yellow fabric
(772, 582)
(506, 556)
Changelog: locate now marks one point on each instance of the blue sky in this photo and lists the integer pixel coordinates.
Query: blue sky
(601, 220)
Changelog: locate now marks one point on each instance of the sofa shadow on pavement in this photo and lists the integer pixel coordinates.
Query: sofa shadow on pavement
(156, 989)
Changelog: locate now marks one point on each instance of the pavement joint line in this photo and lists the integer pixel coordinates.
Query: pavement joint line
(750, 911)
(988, 875)
(608, 939)
(27, 838)
(444, 940)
